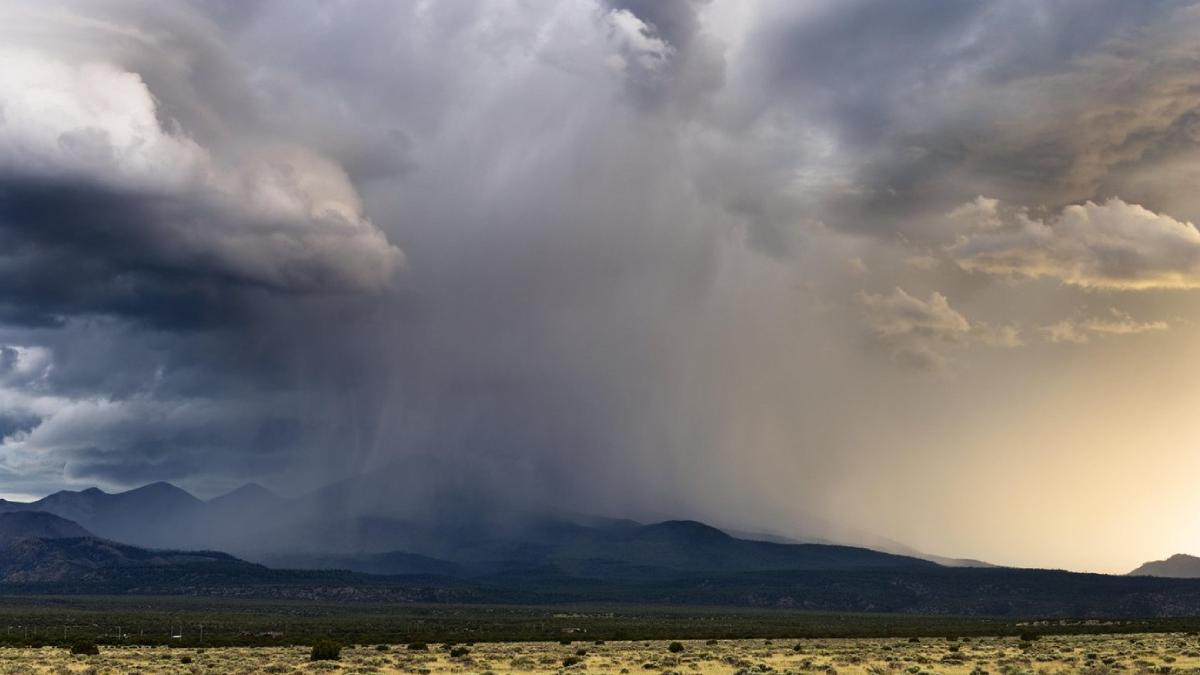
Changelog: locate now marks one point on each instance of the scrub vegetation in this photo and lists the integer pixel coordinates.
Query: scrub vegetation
(1096, 654)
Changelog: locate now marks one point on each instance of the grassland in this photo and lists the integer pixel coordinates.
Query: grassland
(1095, 654)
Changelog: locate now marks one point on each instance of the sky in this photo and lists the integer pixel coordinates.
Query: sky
(848, 268)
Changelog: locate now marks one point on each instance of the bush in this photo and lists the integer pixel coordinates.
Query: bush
(564, 642)
(710, 642)
(570, 661)
(418, 646)
(458, 652)
(797, 647)
(185, 659)
(85, 648)
(382, 648)
(675, 647)
(580, 652)
(1030, 637)
(325, 650)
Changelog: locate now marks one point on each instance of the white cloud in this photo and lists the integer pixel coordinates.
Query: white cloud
(917, 332)
(1112, 246)
(1080, 331)
(638, 40)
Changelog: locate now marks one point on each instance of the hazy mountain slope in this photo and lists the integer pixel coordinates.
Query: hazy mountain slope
(247, 499)
(83, 559)
(1180, 566)
(40, 547)
(37, 525)
(862, 540)
(691, 546)
(390, 563)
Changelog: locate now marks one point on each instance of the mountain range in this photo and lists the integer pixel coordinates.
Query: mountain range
(351, 542)
(258, 525)
(423, 516)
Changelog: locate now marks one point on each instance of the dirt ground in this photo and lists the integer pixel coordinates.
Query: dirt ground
(1161, 653)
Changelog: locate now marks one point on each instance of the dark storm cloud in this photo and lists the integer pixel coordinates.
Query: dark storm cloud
(937, 98)
(72, 249)
(153, 227)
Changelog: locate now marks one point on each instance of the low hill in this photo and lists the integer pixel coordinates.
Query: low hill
(42, 548)
(89, 559)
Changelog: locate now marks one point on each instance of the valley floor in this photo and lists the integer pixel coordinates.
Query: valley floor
(1096, 654)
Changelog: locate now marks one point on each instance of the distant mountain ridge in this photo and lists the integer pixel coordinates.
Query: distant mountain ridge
(556, 561)
(1179, 566)
(151, 515)
(356, 524)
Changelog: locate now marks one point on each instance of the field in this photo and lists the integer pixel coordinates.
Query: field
(181, 621)
(1134, 653)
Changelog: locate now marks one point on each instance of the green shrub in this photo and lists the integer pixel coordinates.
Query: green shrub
(570, 661)
(710, 642)
(185, 659)
(1029, 636)
(418, 646)
(382, 648)
(325, 650)
(459, 652)
(675, 647)
(85, 648)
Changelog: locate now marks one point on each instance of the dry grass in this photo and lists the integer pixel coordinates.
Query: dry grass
(1157, 653)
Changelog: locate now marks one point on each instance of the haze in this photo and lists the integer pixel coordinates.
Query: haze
(851, 269)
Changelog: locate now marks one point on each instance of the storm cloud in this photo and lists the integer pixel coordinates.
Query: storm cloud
(683, 258)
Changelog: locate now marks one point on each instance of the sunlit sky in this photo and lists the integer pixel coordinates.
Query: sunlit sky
(923, 271)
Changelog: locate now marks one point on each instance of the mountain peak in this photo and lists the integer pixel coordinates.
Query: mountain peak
(690, 529)
(250, 495)
(253, 488)
(1180, 565)
(160, 489)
